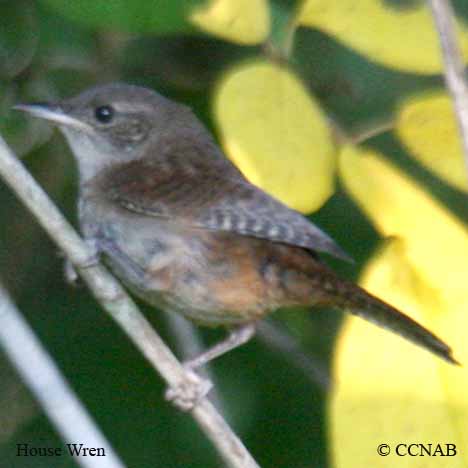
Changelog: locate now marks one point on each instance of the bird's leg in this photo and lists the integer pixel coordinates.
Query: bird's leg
(194, 388)
(237, 337)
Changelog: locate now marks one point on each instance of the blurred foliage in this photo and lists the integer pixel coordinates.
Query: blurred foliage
(285, 85)
(399, 34)
(394, 385)
(139, 16)
(242, 21)
(427, 126)
(285, 120)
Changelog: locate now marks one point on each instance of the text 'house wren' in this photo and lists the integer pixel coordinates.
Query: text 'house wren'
(183, 228)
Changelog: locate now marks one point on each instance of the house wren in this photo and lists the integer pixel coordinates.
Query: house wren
(184, 229)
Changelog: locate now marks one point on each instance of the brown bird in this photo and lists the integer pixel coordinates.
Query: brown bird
(184, 229)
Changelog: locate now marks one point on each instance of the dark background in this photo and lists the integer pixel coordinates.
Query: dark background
(278, 410)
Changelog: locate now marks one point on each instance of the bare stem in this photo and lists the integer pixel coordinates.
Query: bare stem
(43, 378)
(190, 345)
(455, 79)
(292, 351)
(119, 306)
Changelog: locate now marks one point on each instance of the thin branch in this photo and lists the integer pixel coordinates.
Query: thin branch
(119, 306)
(41, 375)
(368, 132)
(291, 349)
(455, 79)
(190, 345)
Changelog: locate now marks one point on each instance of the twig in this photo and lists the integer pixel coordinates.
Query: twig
(119, 305)
(292, 351)
(455, 80)
(368, 132)
(43, 378)
(190, 345)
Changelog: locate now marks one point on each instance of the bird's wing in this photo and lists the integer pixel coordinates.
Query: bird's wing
(211, 197)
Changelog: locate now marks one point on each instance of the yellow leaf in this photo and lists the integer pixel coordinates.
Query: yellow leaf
(436, 241)
(241, 21)
(399, 36)
(388, 390)
(427, 127)
(276, 133)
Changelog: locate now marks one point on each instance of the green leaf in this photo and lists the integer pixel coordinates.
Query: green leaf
(18, 37)
(283, 25)
(157, 16)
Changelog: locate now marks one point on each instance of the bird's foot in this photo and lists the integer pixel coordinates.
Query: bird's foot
(71, 276)
(190, 391)
(94, 246)
(70, 270)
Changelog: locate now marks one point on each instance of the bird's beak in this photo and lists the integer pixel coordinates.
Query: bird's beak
(54, 113)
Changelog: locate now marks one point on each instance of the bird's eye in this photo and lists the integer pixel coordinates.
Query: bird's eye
(104, 114)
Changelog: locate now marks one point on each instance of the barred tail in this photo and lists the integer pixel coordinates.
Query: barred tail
(359, 302)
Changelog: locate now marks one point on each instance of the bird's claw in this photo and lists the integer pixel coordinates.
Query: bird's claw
(69, 271)
(189, 392)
